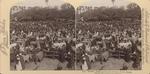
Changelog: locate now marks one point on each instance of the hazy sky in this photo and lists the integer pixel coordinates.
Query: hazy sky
(32, 3)
(97, 3)
(108, 3)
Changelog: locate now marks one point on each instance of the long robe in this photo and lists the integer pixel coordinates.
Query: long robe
(84, 66)
(19, 66)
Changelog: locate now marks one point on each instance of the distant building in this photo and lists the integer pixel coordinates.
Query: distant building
(16, 9)
(83, 9)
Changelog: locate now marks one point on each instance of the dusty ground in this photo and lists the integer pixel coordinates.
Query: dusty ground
(45, 64)
(111, 64)
(51, 64)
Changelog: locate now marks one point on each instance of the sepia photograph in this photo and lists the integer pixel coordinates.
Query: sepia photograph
(54, 35)
(42, 35)
(74, 36)
(108, 35)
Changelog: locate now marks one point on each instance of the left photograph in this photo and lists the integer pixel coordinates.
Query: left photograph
(42, 35)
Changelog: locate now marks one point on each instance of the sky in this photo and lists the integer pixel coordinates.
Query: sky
(41, 3)
(97, 3)
(108, 3)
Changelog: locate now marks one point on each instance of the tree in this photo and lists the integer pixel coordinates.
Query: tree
(45, 13)
(67, 11)
(133, 11)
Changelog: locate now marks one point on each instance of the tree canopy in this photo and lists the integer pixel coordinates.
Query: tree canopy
(132, 11)
(66, 11)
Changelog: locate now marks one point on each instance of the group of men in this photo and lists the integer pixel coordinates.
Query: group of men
(88, 43)
(33, 41)
(110, 39)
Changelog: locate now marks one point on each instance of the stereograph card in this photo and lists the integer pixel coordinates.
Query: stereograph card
(74, 36)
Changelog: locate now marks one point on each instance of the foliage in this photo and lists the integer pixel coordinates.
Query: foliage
(132, 11)
(45, 13)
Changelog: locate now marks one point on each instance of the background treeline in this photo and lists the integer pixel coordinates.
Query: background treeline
(65, 11)
(130, 12)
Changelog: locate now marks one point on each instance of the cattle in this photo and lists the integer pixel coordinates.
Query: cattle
(93, 57)
(26, 57)
(40, 56)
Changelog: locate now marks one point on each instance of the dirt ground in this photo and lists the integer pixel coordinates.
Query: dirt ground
(51, 64)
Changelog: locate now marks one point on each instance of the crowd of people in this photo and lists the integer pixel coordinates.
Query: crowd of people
(90, 42)
(33, 41)
(99, 41)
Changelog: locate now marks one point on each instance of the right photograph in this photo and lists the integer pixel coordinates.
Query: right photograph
(108, 35)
